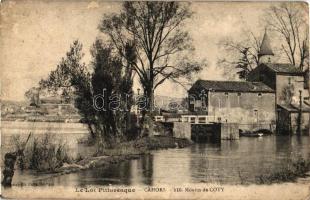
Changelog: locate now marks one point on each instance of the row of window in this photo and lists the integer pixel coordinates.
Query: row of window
(239, 94)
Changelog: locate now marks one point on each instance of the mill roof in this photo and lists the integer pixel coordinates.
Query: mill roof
(283, 68)
(294, 108)
(230, 86)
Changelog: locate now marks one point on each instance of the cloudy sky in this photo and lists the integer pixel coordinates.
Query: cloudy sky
(34, 35)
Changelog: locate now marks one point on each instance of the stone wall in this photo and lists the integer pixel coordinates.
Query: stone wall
(242, 108)
(182, 130)
(229, 131)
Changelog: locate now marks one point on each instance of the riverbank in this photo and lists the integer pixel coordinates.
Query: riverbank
(122, 152)
(291, 172)
(198, 163)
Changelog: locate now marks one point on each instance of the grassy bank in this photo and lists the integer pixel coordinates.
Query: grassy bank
(43, 153)
(290, 173)
(122, 152)
(146, 144)
(50, 156)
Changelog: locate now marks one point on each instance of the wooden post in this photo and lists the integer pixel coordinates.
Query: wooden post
(8, 171)
(9, 163)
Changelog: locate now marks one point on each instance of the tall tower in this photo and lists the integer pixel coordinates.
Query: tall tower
(265, 54)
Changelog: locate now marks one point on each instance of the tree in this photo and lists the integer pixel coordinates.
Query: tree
(109, 79)
(241, 55)
(115, 80)
(72, 76)
(160, 45)
(290, 22)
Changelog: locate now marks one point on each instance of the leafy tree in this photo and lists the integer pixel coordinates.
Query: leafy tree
(72, 76)
(161, 46)
(108, 78)
(115, 78)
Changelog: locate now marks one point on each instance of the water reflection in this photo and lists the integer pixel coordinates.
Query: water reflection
(147, 168)
(142, 170)
(228, 162)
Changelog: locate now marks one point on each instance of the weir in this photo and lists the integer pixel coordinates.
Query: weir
(211, 132)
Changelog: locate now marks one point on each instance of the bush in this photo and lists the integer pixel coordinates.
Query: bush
(290, 173)
(43, 153)
(47, 155)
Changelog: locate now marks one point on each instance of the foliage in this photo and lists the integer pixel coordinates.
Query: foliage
(42, 154)
(110, 78)
(73, 77)
(110, 74)
(244, 64)
(46, 155)
(161, 46)
(18, 146)
(289, 173)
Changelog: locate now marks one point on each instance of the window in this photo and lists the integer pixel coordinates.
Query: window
(289, 80)
(259, 94)
(256, 114)
(192, 119)
(202, 120)
(239, 94)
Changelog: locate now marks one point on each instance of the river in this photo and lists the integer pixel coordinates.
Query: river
(226, 163)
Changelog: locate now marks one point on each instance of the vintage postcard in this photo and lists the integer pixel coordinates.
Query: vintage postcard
(154, 99)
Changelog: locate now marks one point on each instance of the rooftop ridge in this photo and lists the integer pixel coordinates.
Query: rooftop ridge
(283, 67)
(229, 85)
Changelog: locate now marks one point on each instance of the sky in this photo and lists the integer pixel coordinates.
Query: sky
(34, 35)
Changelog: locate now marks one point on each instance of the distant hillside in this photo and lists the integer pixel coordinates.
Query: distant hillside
(22, 111)
(16, 103)
(53, 110)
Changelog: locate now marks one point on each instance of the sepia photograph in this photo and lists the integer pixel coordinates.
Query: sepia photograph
(154, 99)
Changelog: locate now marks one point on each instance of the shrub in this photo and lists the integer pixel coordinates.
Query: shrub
(290, 173)
(47, 155)
(44, 153)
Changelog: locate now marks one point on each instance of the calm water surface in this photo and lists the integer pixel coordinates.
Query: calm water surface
(228, 162)
(225, 163)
